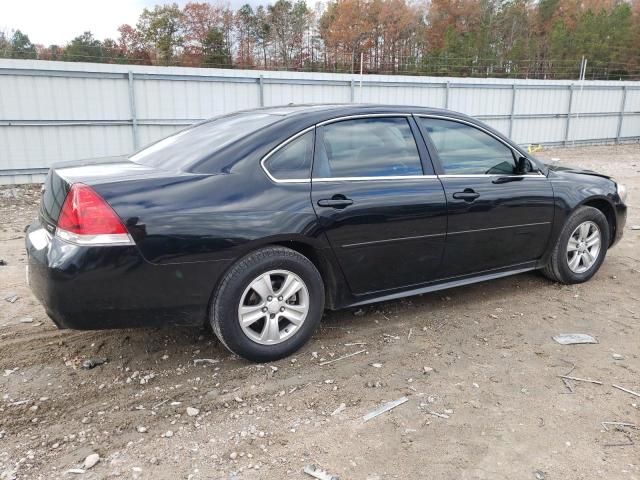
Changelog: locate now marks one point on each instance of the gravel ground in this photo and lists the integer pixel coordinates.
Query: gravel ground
(477, 364)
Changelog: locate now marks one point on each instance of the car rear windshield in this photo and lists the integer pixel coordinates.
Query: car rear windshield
(191, 145)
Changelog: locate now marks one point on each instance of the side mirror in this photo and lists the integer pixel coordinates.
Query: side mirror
(523, 165)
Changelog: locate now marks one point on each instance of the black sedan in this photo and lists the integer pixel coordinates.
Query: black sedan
(257, 221)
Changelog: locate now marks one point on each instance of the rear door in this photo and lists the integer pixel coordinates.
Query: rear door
(376, 196)
(499, 215)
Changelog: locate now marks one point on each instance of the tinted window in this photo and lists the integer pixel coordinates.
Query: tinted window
(196, 143)
(367, 147)
(463, 149)
(293, 161)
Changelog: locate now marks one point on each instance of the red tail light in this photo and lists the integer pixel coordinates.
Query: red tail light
(87, 219)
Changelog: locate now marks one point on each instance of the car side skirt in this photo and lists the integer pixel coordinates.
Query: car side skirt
(448, 283)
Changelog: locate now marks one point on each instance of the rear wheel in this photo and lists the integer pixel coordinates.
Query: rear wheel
(580, 248)
(268, 305)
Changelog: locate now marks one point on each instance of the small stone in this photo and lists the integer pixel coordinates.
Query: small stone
(168, 434)
(427, 369)
(617, 356)
(91, 461)
(26, 320)
(233, 455)
(192, 412)
(141, 429)
(154, 461)
(359, 313)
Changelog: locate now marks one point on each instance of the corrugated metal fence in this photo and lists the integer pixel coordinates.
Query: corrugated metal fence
(56, 111)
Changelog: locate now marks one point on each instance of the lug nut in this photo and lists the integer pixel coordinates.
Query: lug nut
(280, 298)
(264, 309)
(269, 298)
(282, 309)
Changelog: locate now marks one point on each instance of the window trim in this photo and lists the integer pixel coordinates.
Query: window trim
(537, 174)
(278, 148)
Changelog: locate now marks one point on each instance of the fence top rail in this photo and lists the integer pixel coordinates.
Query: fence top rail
(146, 72)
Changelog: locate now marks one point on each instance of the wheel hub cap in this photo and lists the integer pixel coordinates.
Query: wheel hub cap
(583, 247)
(273, 307)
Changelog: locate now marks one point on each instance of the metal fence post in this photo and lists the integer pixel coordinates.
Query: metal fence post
(353, 90)
(513, 109)
(446, 95)
(623, 105)
(261, 87)
(132, 110)
(568, 125)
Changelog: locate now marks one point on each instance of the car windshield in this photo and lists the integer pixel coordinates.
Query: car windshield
(196, 143)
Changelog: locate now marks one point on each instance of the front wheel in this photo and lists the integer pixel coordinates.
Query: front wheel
(580, 248)
(268, 304)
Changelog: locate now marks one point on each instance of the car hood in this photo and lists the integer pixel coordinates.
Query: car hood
(576, 171)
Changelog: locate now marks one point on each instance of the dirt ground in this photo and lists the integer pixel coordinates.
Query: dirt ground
(477, 364)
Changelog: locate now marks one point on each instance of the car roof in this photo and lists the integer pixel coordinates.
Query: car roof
(339, 109)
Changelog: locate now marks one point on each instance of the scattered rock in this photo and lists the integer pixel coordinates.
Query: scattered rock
(233, 455)
(617, 356)
(141, 429)
(11, 298)
(93, 363)
(192, 412)
(359, 313)
(77, 471)
(26, 320)
(91, 461)
(167, 434)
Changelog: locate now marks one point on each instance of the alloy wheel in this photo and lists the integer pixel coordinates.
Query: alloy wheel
(273, 307)
(583, 247)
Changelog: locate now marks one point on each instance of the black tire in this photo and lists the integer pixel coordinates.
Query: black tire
(224, 305)
(557, 268)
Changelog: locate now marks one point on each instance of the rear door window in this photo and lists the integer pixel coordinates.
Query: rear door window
(367, 147)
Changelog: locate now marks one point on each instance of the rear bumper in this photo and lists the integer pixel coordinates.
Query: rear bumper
(101, 287)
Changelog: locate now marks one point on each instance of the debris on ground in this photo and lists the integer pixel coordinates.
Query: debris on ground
(359, 313)
(627, 390)
(205, 361)
(539, 474)
(93, 362)
(316, 472)
(2, 263)
(340, 408)
(574, 338)
(376, 365)
(327, 362)
(77, 471)
(578, 379)
(192, 412)
(617, 356)
(11, 298)
(91, 461)
(635, 227)
(384, 408)
(26, 320)
(619, 424)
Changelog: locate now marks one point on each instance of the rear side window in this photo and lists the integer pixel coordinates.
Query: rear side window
(293, 160)
(200, 141)
(367, 147)
(466, 150)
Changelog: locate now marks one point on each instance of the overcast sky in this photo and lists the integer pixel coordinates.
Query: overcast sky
(58, 21)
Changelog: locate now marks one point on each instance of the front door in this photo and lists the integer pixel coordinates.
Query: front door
(383, 214)
(500, 208)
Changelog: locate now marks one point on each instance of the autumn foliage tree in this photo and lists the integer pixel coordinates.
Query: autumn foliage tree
(511, 38)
